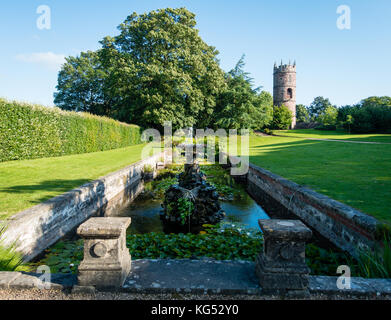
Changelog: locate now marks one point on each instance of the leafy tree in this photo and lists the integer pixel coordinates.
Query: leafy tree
(81, 84)
(165, 71)
(282, 118)
(328, 117)
(302, 114)
(343, 112)
(349, 121)
(376, 101)
(318, 106)
(372, 114)
(157, 69)
(240, 106)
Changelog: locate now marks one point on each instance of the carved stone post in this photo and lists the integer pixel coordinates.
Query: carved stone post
(281, 267)
(107, 261)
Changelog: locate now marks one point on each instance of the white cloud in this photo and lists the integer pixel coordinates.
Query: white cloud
(48, 59)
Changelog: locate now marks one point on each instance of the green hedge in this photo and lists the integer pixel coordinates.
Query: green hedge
(32, 131)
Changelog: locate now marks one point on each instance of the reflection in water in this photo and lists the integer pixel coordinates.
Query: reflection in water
(145, 214)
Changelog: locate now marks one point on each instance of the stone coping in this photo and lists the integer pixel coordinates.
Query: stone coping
(357, 217)
(199, 277)
(104, 227)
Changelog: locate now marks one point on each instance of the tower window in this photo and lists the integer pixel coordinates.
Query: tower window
(290, 93)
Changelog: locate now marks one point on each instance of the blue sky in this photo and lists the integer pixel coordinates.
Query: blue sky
(343, 65)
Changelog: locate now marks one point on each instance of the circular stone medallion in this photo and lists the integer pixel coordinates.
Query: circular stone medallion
(99, 249)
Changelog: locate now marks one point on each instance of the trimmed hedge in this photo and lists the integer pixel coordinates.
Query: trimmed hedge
(32, 131)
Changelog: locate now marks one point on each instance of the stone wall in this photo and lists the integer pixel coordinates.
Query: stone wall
(37, 228)
(344, 226)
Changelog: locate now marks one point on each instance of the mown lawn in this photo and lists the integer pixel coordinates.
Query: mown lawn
(358, 175)
(24, 184)
(335, 135)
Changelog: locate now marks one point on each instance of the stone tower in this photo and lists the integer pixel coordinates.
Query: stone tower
(284, 92)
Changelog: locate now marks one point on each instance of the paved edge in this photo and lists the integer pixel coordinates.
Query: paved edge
(191, 277)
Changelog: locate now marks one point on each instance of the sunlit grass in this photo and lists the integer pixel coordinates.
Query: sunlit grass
(26, 183)
(335, 135)
(358, 175)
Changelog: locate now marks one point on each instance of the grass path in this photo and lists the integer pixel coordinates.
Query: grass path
(24, 184)
(358, 175)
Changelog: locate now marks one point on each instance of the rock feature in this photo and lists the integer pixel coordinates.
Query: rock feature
(193, 202)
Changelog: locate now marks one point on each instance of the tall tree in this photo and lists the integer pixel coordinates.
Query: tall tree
(157, 69)
(81, 85)
(318, 106)
(302, 114)
(166, 71)
(328, 117)
(376, 101)
(240, 106)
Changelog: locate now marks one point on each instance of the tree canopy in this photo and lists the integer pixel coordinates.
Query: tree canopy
(159, 69)
(318, 106)
(241, 106)
(302, 114)
(81, 85)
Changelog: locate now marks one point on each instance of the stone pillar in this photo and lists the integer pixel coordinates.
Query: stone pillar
(107, 261)
(281, 267)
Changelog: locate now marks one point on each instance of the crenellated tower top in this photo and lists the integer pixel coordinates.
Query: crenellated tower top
(285, 67)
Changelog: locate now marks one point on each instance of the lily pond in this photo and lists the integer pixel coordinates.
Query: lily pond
(236, 237)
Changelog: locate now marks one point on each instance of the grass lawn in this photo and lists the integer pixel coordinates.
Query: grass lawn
(335, 135)
(26, 183)
(358, 175)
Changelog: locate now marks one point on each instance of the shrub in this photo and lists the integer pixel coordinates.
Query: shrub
(32, 131)
(372, 115)
(282, 118)
(371, 119)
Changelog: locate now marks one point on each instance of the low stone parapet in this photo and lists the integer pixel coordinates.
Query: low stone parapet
(201, 277)
(347, 228)
(281, 265)
(107, 261)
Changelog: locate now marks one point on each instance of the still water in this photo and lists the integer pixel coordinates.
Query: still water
(145, 214)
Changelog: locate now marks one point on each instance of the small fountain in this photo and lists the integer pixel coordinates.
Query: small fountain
(191, 203)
